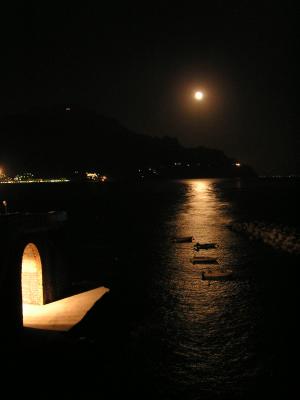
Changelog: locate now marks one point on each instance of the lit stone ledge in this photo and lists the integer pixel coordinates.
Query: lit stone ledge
(63, 314)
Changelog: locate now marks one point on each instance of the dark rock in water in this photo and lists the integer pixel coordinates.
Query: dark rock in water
(279, 237)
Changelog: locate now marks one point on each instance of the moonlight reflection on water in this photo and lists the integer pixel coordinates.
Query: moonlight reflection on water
(207, 325)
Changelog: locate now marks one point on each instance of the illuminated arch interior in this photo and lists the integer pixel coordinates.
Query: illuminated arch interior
(32, 279)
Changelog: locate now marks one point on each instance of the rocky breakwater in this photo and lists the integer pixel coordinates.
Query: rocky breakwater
(280, 237)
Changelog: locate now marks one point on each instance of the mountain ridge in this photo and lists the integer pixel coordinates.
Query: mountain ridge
(60, 140)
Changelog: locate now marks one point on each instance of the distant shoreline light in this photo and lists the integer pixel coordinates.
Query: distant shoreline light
(16, 182)
(9, 181)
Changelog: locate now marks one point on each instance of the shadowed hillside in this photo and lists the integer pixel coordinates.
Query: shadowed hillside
(61, 140)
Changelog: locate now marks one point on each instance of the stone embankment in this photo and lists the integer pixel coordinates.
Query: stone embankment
(278, 236)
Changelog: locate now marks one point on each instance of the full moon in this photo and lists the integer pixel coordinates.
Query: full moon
(199, 95)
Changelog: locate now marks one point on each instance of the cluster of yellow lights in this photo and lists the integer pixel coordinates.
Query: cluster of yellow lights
(92, 175)
(96, 177)
(29, 178)
(38, 180)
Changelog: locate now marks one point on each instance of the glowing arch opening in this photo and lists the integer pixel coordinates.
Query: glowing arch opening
(32, 278)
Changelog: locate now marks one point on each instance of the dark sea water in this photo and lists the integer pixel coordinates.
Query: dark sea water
(185, 338)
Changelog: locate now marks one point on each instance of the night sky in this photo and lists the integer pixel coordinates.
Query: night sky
(142, 64)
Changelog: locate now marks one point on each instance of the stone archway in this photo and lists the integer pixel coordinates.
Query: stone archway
(32, 276)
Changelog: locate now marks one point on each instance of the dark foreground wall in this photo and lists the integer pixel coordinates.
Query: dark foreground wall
(16, 231)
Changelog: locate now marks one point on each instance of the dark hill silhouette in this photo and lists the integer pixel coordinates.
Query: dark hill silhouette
(58, 141)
